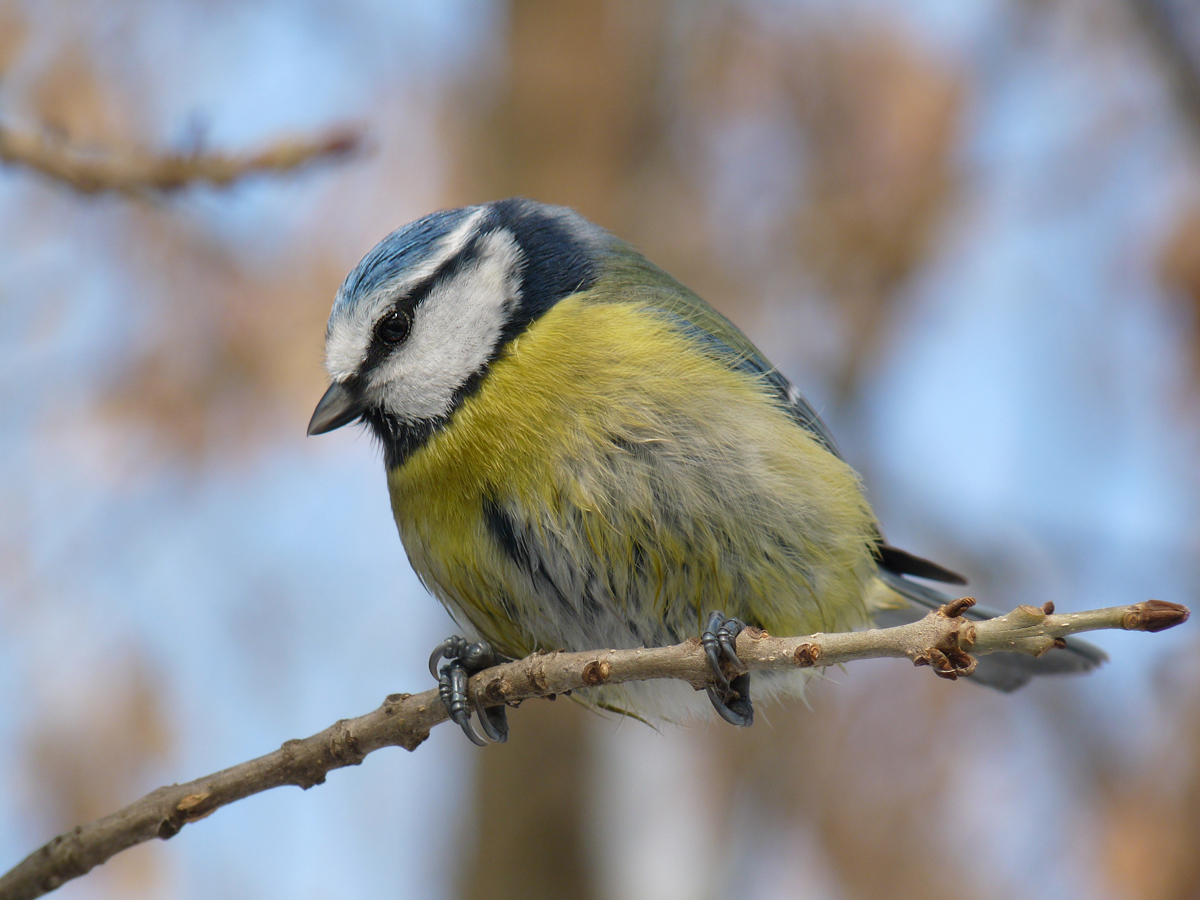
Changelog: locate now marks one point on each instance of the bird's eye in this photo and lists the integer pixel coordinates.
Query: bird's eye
(394, 327)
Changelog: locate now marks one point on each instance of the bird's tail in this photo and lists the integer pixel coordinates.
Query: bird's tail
(1002, 671)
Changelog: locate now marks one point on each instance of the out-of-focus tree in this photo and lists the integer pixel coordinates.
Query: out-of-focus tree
(1150, 825)
(218, 341)
(573, 119)
(869, 771)
(756, 155)
(1179, 270)
(227, 339)
(94, 751)
(1173, 27)
(876, 124)
(585, 112)
(526, 834)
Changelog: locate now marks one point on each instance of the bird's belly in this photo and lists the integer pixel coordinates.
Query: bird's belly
(561, 594)
(533, 590)
(641, 568)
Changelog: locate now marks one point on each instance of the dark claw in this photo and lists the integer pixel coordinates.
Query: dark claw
(470, 733)
(493, 719)
(726, 640)
(713, 651)
(722, 710)
(726, 712)
(455, 647)
(452, 688)
(465, 660)
(730, 697)
(720, 636)
(741, 704)
(734, 706)
(440, 651)
(712, 646)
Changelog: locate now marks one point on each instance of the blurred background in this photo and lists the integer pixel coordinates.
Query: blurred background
(968, 229)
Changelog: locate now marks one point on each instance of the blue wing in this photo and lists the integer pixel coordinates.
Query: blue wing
(744, 356)
(631, 276)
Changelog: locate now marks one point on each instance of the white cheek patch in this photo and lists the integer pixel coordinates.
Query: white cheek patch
(455, 331)
(352, 325)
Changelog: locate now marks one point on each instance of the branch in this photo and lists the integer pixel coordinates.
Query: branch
(942, 640)
(138, 174)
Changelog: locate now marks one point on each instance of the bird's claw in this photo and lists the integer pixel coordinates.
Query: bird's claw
(730, 697)
(465, 660)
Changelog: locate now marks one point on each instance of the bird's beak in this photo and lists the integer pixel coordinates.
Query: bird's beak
(337, 408)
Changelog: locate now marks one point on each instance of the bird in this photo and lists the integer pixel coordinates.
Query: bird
(581, 453)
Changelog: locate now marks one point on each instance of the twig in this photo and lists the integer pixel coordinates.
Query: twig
(138, 174)
(943, 640)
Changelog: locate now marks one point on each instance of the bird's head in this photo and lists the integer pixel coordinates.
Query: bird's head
(418, 321)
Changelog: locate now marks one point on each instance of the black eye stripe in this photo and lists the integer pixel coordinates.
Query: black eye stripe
(404, 310)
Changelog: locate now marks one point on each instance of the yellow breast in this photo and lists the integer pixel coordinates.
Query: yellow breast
(608, 474)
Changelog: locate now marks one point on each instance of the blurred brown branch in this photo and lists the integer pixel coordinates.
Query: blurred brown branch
(139, 174)
(943, 640)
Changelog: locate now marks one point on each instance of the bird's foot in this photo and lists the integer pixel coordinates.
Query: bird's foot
(466, 659)
(730, 696)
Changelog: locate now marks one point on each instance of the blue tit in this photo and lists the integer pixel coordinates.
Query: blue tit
(581, 453)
